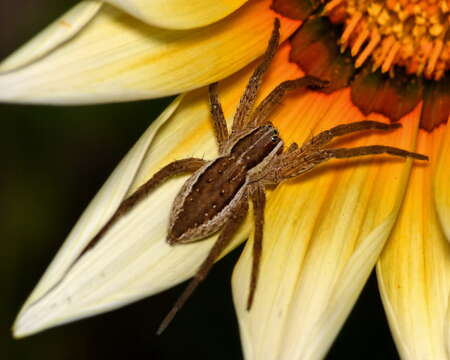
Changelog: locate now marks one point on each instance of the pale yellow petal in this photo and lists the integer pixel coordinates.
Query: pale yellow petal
(118, 58)
(414, 269)
(178, 14)
(132, 260)
(97, 213)
(56, 34)
(323, 234)
(441, 184)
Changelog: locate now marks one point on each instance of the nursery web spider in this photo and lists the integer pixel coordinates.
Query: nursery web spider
(215, 198)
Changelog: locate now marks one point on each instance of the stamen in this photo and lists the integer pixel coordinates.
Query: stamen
(331, 5)
(362, 37)
(374, 40)
(385, 48)
(413, 34)
(390, 58)
(354, 20)
(434, 56)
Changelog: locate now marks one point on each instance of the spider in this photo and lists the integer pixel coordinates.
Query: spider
(215, 197)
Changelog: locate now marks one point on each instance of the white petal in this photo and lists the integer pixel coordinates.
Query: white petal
(178, 14)
(118, 58)
(97, 213)
(57, 33)
(132, 260)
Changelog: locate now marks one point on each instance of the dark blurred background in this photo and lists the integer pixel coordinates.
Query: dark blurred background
(54, 161)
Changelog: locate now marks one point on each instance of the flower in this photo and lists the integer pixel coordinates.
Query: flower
(325, 232)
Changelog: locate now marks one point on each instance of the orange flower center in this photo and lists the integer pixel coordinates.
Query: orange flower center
(413, 34)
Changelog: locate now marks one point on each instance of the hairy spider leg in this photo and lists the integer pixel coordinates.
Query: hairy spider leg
(220, 125)
(224, 239)
(343, 153)
(258, 197)
(326, 136)
(174, 168)
(271, 101)
(298, 162)
(248, 98)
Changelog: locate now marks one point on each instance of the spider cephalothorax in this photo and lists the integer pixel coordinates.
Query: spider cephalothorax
(251, 157)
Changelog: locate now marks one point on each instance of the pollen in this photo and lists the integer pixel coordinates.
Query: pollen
(413, 34)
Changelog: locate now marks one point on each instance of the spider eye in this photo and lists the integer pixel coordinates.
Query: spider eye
(275, 135)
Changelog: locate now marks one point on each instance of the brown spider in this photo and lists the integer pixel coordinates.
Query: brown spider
(216, 196)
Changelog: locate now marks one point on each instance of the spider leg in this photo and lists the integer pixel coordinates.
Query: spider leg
(292, 164)
(249, 97)
(174, 168)
(271, 101)
(343, 153)
(326, 136)
(224, 239)
(259, 201)
(220, 125)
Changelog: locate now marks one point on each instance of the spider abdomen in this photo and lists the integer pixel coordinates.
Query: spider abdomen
(206, 194)
(211, 194)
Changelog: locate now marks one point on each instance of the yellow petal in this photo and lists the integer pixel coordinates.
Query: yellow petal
(178, 14)
(118, 58)
(57, 33)
(96, 214)
(323, 234)
(442, 184)
(132, 260)
(414, 269)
